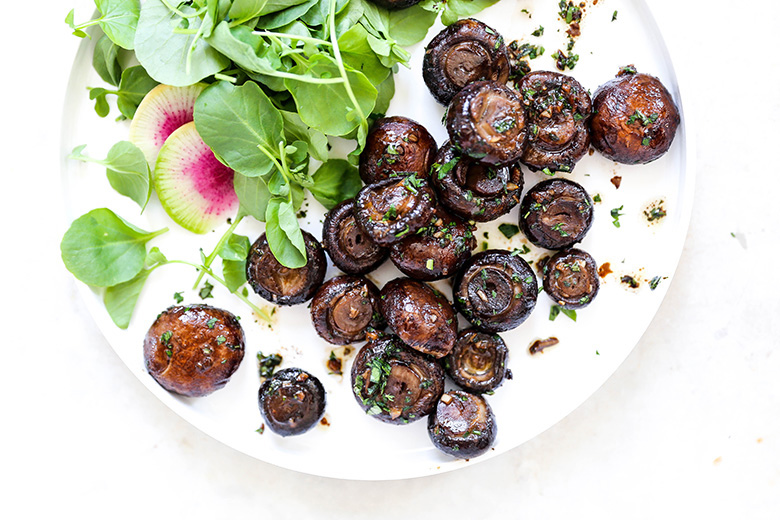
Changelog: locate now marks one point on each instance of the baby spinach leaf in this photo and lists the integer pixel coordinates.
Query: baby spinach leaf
(284, 235)
(163, 53)
(328, 107)
(233, 121)
(385, 95)
(334, 182)
(348, 17)
(120, 300)
(234, 273)
(253, 195)
(273, 6)
(236, 247)
(105, 61)
(119, 20)
(457, 9)
(100, 248)
(127, 170)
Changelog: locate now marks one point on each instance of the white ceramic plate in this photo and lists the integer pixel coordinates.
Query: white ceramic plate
(546, 387)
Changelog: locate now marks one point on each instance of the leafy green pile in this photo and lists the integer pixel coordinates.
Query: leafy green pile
(284, 75)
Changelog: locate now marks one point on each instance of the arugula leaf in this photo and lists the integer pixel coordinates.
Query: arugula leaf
(105, 61)
(284, 235)
(241, 11)
(102, 249)
(163, 52)
(233, 121)
(126, 168)
(334, 182)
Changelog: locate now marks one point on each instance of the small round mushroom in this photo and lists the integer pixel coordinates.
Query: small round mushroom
(486, 120)
(463, 425)
(396, 147)
(495, 290)
(475, 190)
(558, 111)
(292, 402)
(571, 278)
(193, 350)
(437, 250)
(635, 118)
(344, 308)
(464, 52)
(349, 247)
(556, 213)
(421, 316)
(394, 208)
(395, 384)
(478, 361)
(279, 284)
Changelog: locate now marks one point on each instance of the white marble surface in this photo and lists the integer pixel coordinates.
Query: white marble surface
(688, 426)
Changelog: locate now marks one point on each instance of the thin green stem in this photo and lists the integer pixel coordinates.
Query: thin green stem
(89, 23)
(340, 62)
(180, 13)
(303, 79)
(288, 36)
(210, 259)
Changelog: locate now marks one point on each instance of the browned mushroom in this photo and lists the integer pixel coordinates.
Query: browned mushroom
(464, 52)
(635, 118)
(486, 121)
(292, 401)
(478, 361)
(475, 190)
(571, 278)
(395, 384)
(421, 316)
(344, 308)
(282, 285)
(193, 350)
(436, 250)
(463, 425)
(495, 290)
(556, 213)
(394, 208)
(396, 147)
(558, 111)
(349, 247)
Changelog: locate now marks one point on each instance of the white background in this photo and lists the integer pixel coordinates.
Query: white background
(689, 426)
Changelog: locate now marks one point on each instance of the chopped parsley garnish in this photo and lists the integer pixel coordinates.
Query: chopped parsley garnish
(597, 198)
(504, 125)
(522, 251)
(205, 291)
(555, 310)
(532, 51)
(614, 16)
(178, 297)
(646, 141)
(569, 12)
(538, 32)
(267, 364)
(616, 214)
(444, 169)
(629, 69)
(166, 337)
(654, 283)
(645, 120)
(404, 231)
(210, 324)
(390, 214)
(508, 230)
(221, 339)
(559, 228)
(563, 62)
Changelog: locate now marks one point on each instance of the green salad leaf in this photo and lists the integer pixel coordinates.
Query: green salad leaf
(127, 170)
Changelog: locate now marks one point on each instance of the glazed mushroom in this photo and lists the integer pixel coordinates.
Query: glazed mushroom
(344, 308)
(571, 278)
(437, 250)
(635, 118)
(421, 316)
(463, 425)
(465, 52)
(395, 384)
(396, 147)
(282, 285)
(349, 247)
(394, 208)
(475, 190)
(396, 4)
(558, 111)
(495, 290)
(556, 213)
(478, 361)
(193, 350)
(292, 401)
(486, 121)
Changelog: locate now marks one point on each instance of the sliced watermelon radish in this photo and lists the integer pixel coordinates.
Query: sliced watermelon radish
(163, 110)
(195, 189)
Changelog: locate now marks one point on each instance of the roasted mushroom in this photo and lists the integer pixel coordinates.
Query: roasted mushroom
(475, 190)
(634, 118)
(396, 147)
(463, 425)
(394, 383)
(282, 285)
(465, 52)
(557, 111)
(394, 208)
(571, 278)
(495, 290)
(396, 4)
(436, 250)
(292, 401)
(344, 307)
(556, 213)
(349, 247)
(478, 361)
(193, 350)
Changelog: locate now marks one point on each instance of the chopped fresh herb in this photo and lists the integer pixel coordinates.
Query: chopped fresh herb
(597, 198)
(547, 171)
(444, 169)
(555, 310)
(221, 339)
(563, 62)
(484, 246)
(569, 12)
(391, 213)
(166, 337)
(178, 297)
(654, 283)
(522, 251)
(210, 324)
(646, 141)
(615, 212)
(655, 213)
(205, 291)
(628, 69)
(559, 228)
(267, 364)
(645, 120)
(538, 32)
(614, 16)
(404, 231)
(532, 51)
(508, 230)
(412, 182)
(261, 430)
(429, 264)
(504, 124)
